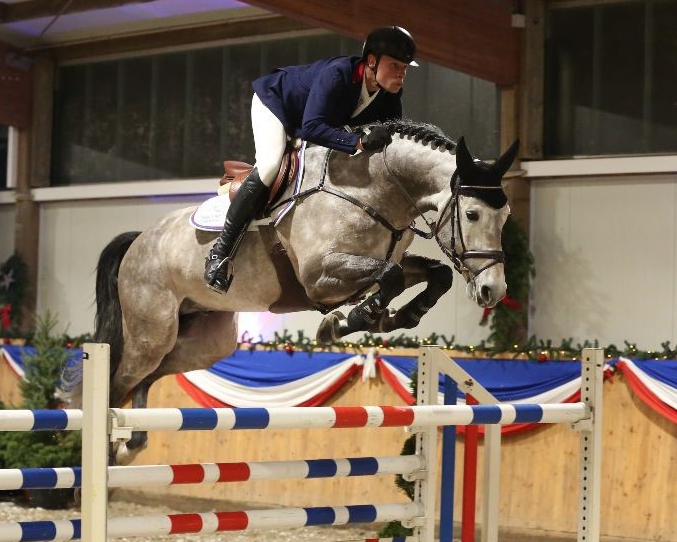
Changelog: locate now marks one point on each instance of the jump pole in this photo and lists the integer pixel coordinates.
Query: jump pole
(590, 459)
(95, 429)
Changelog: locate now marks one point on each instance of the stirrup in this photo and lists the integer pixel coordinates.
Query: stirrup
(225, 283)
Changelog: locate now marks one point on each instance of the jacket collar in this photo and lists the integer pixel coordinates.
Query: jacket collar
(358, 72)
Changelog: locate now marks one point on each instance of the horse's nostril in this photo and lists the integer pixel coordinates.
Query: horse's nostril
(485, 293)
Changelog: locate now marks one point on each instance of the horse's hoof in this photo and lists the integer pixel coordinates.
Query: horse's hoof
(329, 330)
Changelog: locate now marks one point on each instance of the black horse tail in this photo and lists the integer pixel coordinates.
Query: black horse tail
(108, 320)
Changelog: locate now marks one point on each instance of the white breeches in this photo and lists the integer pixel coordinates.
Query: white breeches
(270, 140)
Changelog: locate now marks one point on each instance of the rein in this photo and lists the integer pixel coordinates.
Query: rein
(395, 233)
(458, 259)
(452, 205)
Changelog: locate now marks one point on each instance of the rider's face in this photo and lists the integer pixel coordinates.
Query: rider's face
(390, 74)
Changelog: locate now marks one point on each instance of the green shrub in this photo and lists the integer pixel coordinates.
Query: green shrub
(41, 448)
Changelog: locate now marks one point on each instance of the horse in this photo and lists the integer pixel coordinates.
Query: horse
(343, 241)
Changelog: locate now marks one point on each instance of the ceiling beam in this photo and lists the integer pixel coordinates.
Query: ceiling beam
(172, 38)
(34, 9)
(472, 37)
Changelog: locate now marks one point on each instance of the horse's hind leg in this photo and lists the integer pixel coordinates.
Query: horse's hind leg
(150, 326)
(122, 453)
(203, 339)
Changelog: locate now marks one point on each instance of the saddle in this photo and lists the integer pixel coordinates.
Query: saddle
(235, 173)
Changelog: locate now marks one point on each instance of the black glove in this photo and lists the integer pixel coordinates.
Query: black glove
(376, 139)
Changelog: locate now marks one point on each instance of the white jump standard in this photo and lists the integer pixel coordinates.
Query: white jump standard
(101, 425)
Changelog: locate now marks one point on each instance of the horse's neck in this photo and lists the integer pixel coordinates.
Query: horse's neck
(386, 181)
(424, 172)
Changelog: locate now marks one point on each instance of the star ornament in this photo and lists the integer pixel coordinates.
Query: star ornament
(6, 280)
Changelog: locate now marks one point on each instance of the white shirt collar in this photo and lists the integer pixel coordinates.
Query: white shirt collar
(365, 99)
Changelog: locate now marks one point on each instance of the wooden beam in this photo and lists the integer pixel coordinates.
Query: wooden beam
(472, 37)
(15, 88)
(34, 9)
(27, 226)
(516, 186)
(33, 164)
(163, 39)
(532, 80)
(41, 141)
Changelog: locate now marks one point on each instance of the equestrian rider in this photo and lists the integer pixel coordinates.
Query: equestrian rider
(315, 102)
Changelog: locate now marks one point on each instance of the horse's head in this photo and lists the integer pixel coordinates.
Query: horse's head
(470, 222)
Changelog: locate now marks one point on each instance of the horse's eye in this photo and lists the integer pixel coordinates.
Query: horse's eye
(473, 216)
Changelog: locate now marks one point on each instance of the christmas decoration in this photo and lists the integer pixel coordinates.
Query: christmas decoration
(533, 348)
(508, 319)
(13, 284)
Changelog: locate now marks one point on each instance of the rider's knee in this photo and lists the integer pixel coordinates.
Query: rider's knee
(268, 170)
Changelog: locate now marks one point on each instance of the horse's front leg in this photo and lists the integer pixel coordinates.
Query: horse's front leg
(418, 269)
(360, 272)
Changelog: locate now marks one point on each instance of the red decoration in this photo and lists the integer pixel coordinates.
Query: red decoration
(5, 320)
(507, 301)
(542, 357)
(289, 349)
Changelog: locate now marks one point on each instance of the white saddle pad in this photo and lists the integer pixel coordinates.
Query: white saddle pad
(211, 214)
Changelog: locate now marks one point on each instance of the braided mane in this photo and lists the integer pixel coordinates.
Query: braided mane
(421, 133)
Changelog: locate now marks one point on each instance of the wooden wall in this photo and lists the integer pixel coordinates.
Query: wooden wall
(539, 469)
(9, 388)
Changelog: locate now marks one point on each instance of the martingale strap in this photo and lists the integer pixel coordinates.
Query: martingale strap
(395, 233)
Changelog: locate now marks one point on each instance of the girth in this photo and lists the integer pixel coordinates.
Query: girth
(395, 233)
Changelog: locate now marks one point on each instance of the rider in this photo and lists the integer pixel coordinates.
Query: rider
(315, 102)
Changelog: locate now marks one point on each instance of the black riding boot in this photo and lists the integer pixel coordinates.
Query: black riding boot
(248, 200)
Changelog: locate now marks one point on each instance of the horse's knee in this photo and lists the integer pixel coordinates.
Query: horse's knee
(391, 281)
(441, 277)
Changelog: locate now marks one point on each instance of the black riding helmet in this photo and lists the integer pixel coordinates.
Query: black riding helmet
(393, 41)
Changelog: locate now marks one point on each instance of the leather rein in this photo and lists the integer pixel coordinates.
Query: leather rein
(452, 205)
(395, 233)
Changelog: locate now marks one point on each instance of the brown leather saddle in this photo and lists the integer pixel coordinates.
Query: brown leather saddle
(235, 173)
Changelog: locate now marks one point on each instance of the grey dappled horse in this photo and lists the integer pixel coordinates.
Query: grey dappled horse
(345, 241)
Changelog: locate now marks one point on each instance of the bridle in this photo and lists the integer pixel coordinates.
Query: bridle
(457, 258)
(453, 206)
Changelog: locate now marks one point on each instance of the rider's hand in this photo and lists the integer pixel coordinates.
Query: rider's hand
(377, 138)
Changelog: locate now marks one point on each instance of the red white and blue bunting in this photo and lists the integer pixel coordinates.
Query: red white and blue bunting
(276, 378)
(655, 382)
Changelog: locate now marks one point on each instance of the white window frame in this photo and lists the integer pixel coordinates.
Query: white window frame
(623, 165)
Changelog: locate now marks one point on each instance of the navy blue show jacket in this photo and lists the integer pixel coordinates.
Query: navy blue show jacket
(314, 101)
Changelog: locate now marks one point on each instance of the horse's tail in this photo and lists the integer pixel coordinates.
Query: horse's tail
(108, 320)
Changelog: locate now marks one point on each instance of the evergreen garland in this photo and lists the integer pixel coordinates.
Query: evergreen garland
(509, 319)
